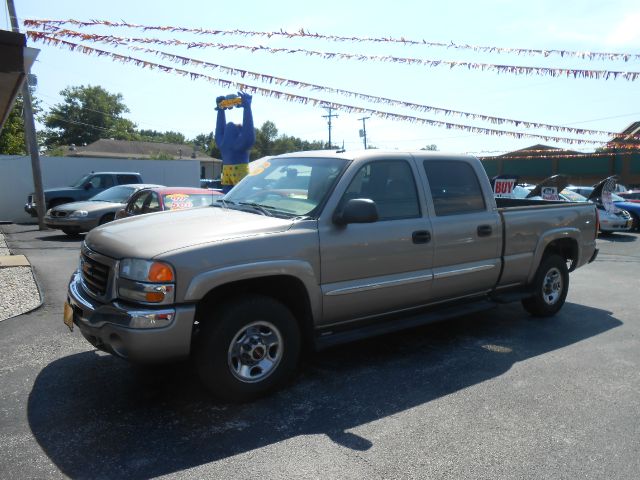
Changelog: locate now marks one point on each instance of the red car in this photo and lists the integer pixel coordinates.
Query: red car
(151, 200)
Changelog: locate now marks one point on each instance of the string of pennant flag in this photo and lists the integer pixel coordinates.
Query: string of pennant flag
(47, 39)
(575, 73)
(302, 33)
(271, 79)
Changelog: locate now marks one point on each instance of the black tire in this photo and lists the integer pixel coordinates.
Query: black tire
(109, 217)
(550, 287)
(71, 232)
(635, 226)
(237, 339)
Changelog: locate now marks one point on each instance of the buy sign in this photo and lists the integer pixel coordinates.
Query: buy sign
(503, 187)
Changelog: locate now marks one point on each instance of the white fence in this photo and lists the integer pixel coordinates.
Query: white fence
(16, 179)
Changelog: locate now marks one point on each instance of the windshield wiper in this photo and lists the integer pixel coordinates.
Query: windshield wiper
(261, 208)
(225, 203)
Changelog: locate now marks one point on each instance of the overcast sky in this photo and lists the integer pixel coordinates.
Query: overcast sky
(163, 101)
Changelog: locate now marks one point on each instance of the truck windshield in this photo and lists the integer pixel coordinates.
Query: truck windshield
(81, 181)
(293, 186)
(114, 194)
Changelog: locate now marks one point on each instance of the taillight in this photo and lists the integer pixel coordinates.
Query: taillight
(597, 224)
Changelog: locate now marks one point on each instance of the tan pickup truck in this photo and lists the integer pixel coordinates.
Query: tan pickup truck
(318, 248)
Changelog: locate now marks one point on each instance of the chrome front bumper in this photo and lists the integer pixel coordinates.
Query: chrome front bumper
(114, 327)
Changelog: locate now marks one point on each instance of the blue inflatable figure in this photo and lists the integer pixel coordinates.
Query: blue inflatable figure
(234, 141)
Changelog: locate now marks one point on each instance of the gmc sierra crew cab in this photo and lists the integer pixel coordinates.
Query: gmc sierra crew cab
(312, 249)
(84, 188)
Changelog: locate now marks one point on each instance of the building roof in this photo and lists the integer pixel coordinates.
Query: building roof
(628, 134)
(108, 148)
(538, 150)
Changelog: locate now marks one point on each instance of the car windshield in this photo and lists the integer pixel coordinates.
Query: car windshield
(289, 187)
(81, 181)
(114, 194)
(180, 201)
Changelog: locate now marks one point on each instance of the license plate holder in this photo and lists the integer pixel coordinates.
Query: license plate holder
(68, 316)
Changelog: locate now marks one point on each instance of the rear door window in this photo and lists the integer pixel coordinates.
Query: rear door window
(455, 188)
(124, 178)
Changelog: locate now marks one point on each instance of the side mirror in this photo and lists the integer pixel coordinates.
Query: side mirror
(88, 186)
(120, 214)
(356, 210)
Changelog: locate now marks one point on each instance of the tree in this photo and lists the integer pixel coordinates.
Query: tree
(12, 139)
(265, 136)
(86, 115)
(164, 137)
(206, 142)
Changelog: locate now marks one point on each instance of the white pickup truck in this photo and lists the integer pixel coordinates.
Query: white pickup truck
(317, 248)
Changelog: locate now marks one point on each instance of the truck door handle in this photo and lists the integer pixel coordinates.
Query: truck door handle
(421, 236)
(484, 230)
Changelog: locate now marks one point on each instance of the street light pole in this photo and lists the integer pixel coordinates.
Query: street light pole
(30, 132)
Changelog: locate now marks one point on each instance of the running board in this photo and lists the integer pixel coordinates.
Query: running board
(328, 337)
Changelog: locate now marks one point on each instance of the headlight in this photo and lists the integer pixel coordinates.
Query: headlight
(146, 281)
(146, 270)
(48, 212)
(79, 213)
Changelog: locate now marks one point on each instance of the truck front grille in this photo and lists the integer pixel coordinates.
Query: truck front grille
(95, 275)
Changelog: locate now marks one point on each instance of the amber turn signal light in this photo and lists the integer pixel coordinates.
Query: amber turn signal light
(160, 272)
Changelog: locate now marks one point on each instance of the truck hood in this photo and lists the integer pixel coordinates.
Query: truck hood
(61, 190)
(147, 236)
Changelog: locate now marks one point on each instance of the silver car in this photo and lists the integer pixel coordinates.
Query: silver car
(77, 217)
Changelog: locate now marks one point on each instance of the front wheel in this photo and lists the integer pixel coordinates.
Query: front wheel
(550, 287)
(249, 347)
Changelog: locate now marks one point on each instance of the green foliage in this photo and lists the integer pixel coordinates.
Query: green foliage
(55, 152)
(12, 140)
(86, 115)
(269, 143)
(164, 137)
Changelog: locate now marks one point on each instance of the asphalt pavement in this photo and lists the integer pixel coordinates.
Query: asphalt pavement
(492, 395)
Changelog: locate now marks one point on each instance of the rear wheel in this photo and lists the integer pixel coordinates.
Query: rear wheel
(71, 232)
(550, 287)
(249, 347)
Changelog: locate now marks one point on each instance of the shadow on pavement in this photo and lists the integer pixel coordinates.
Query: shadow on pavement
(96, 416)
(617, 237)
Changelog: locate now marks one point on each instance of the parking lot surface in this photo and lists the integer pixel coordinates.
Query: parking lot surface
(492, 395)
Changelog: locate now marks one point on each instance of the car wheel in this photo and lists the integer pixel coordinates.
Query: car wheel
(635, 225)
(550, 287)
(247, 347)
(71, 232)
(109, 217)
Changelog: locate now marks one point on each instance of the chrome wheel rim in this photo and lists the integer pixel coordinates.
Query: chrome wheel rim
(255, 352)
(552, 286)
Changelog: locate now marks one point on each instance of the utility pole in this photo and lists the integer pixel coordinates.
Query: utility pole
(328, 117)
(30, 131)
(363, 132)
